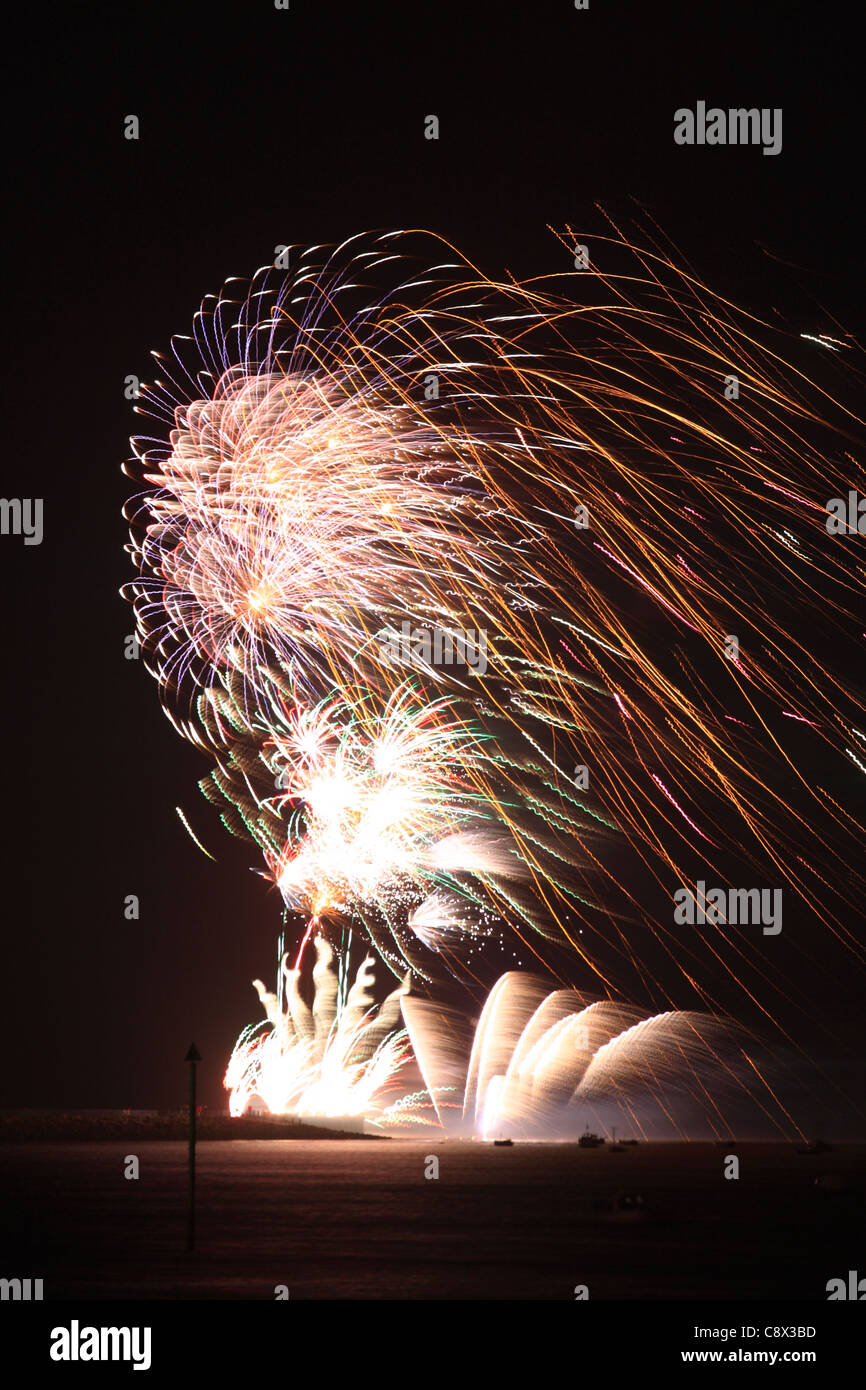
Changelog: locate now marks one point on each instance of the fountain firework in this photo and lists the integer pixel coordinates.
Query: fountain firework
(341, 1057)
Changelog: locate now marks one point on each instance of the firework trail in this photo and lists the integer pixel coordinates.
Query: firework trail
(551, 463)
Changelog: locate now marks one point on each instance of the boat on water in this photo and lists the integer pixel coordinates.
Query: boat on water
(590, 1141)
(818, 1146)
(503, 1143)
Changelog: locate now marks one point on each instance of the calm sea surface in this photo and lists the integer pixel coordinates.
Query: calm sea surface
(358, 1220)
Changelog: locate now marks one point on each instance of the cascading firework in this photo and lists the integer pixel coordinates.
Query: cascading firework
(381, 439)
(542, 1064)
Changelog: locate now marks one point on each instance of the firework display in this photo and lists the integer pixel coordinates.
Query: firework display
(463, 587)
(545, 1064)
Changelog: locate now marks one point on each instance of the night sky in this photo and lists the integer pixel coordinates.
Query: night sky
(261, 127)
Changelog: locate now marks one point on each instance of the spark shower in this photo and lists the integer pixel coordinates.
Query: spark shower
(377, 438)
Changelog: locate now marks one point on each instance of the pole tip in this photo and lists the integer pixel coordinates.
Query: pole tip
(193, 1055)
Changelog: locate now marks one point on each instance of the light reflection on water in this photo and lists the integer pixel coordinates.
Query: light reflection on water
(358, 1219)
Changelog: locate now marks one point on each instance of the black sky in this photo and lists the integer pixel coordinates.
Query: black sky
(261, 127)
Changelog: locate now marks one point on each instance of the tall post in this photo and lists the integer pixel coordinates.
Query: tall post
(192, 1057)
